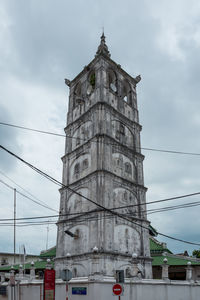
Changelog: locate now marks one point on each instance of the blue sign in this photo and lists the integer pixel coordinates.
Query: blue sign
(79, 290)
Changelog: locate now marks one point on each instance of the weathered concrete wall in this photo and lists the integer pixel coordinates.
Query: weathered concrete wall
(33, 291)
(101, 290)
(140, 290)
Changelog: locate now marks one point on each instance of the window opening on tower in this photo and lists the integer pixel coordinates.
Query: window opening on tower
(77, 95)
(128, 168)
(85, 164)
(126, 93)
(112, 81)
(77, 168)
(91, 83)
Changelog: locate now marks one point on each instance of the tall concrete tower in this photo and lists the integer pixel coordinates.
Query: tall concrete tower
(102, 162)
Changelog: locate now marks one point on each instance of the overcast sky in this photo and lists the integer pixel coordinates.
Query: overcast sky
(43, 42)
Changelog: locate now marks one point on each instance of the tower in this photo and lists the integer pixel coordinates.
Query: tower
(102, 162)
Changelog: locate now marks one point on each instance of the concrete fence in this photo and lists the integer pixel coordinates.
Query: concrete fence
(99, 287)
(102, 288)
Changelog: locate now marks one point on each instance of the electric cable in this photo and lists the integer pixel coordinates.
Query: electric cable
(159, 201)
(27, 197)
(114, 144)
(55, 181)
(168, 208)
(91, 218)
(25, 190)
(190, 204)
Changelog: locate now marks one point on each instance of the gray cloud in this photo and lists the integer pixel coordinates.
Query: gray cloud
(7, 139)
(44, 42)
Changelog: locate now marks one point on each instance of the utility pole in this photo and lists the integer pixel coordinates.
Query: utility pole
(47, 236)
(14, 223)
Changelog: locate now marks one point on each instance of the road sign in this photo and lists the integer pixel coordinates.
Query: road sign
(117, 289)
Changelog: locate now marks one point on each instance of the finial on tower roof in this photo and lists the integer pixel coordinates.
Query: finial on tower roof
(103, 48)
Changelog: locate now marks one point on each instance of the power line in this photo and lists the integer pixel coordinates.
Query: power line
(25, 190)
(135, 214)
(158, 201)
(91, 201)
(114, 208)
(12, 188)
(190, 204)
(92, 218)
(31, 129)
(163, 209)
(25, 225)
(72, 220)
(95, 217)
(62, 135)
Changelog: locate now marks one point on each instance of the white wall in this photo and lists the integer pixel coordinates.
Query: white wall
(102, 290)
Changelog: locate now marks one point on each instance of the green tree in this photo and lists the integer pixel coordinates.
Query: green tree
(196, 253)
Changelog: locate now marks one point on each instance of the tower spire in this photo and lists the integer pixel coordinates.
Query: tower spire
(103, 48)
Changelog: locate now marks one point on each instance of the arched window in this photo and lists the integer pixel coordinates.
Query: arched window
(77, 141)
(74, 272)
(85, 164)
(119, 162)
(127, 238)
(122, 129)
(77, 168)
(128, 168)
(112, 81)
(125, 195)
(127, 93)
(76, 234)
(134, 172)
(77, 90)
(128, 272)
(77, 94)
(91, 83)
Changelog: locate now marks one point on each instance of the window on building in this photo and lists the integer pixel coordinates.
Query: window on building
(74, 272)
(125, 195)
(128, 168)
(78, 141)
(77, 168)
(76, 234)
(85, 164)
(91, 83)
(83, 130)
(122, 129)
(77, 94)
(127, 93)
(92, 80)
(125, 98)
(128, 272)
(117, 135)
(112, 81)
